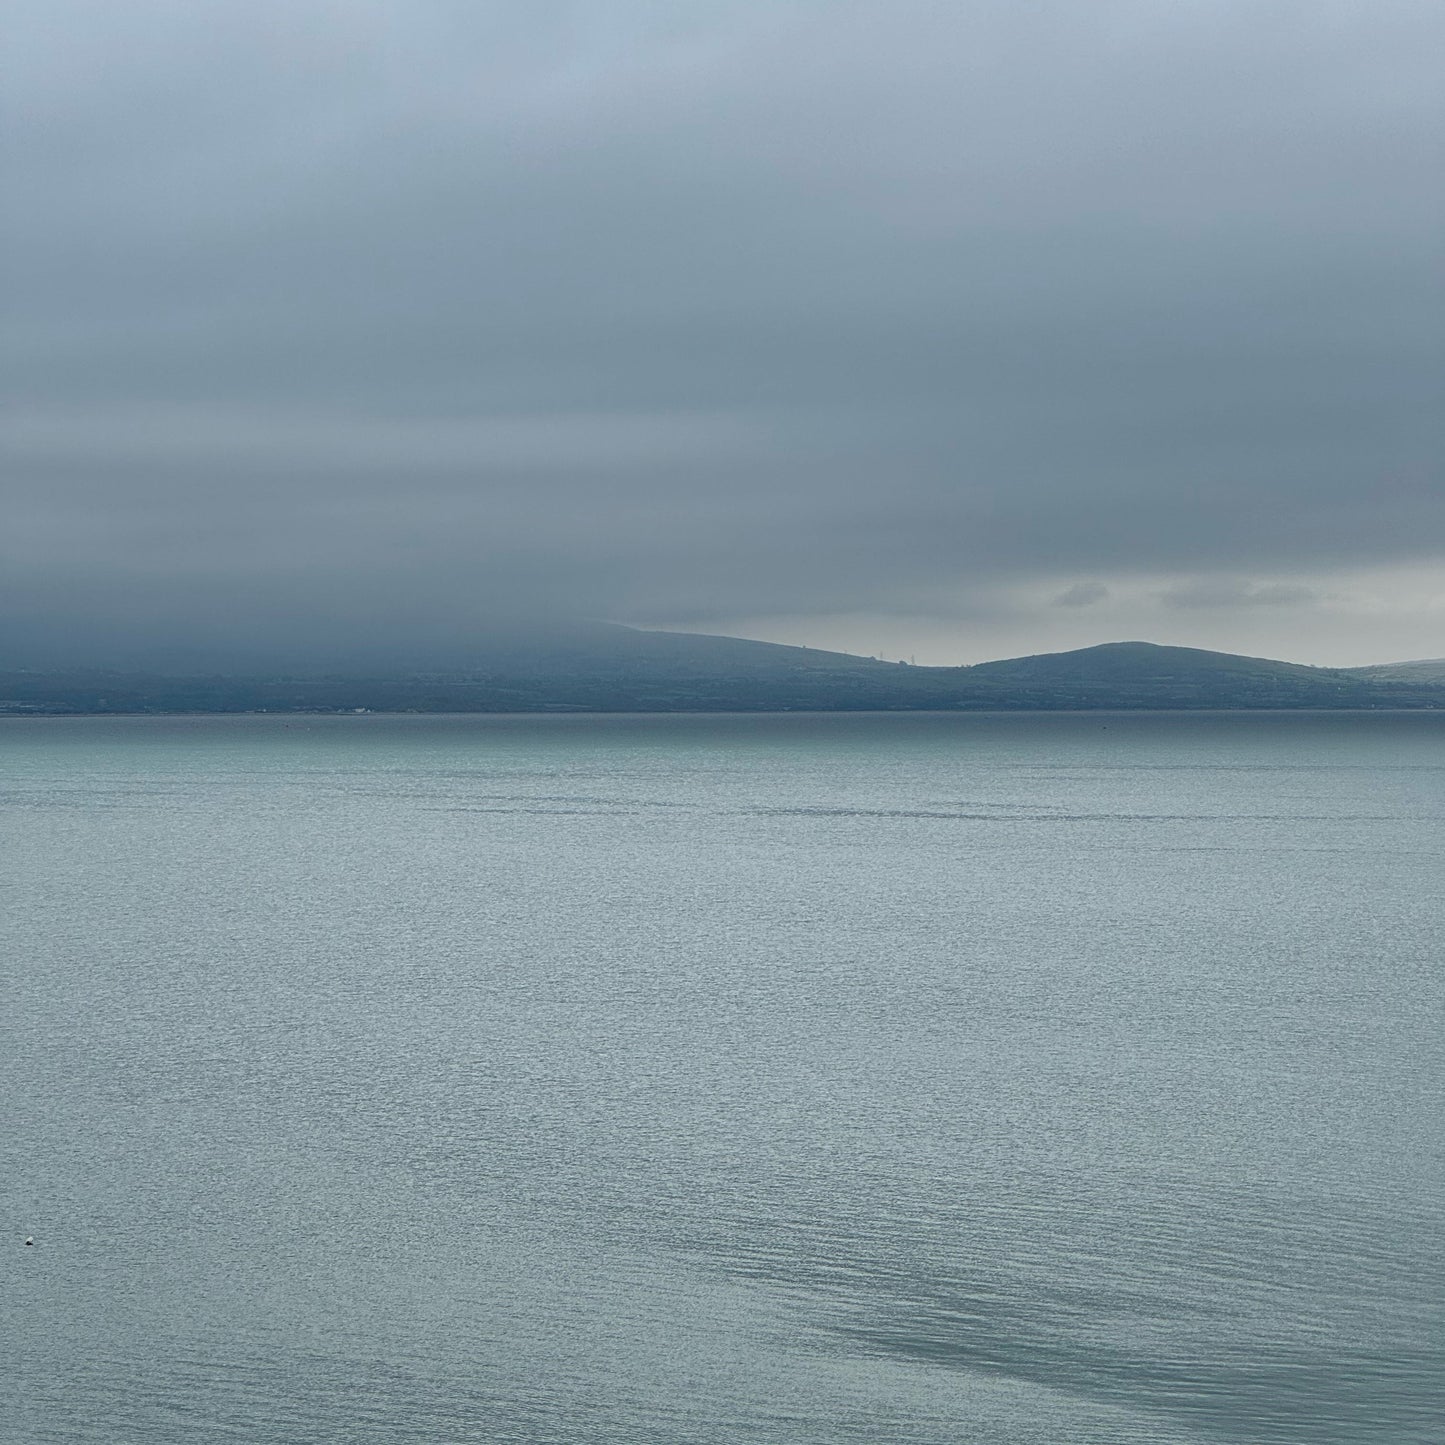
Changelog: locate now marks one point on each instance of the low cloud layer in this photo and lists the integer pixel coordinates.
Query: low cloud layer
(1231, 592)
(373, 324)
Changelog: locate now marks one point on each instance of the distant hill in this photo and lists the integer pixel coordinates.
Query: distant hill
(1143, 661)
(616, 669)
(1132, 673)
(1429, 670)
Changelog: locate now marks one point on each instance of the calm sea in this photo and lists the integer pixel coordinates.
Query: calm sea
(1035, 1080)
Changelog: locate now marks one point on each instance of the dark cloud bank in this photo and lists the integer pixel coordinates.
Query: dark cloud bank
(361, 327)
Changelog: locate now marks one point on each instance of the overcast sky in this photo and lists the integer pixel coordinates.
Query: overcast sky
(952, 330)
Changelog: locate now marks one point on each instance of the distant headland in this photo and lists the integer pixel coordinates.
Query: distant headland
(618, 669)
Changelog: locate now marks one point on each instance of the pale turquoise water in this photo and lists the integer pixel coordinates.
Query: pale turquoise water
(788, 1079)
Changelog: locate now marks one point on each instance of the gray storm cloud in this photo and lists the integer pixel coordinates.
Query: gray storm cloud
(391, 320)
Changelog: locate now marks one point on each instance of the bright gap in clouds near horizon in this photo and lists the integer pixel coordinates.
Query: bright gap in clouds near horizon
(942, 331)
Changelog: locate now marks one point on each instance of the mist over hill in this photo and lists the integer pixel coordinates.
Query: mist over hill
(609, 668)
(609, 649)
(1429, 670)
